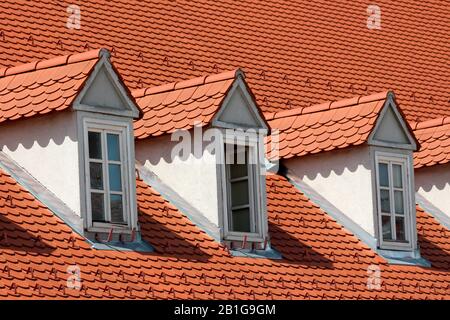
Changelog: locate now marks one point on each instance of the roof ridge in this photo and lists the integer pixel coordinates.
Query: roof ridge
(436, 122)
(53, 62)
(183, 84)
(347, 102)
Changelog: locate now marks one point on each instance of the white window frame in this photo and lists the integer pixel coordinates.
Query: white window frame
(404, 161)
(256, 180)
(96, 125)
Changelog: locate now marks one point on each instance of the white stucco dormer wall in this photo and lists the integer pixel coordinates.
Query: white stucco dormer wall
(344, 178)
(193, 177)
(433, 183)
(47, 147)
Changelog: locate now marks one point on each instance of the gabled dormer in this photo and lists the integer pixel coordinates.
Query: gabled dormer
(79, 142)
(204, 139)
(354, 158)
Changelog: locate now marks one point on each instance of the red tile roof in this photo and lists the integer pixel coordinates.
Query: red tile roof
(434, 138)
(321, 259)
(328, 126)
(43, 86)
(295, 53)
(179, 105)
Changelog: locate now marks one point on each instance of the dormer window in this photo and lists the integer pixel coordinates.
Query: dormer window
(243, 187)
(393, 194)
(108, 180)
(106, 176)
(240, 180)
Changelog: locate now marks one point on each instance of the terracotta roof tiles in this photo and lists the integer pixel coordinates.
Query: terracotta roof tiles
(327, 126)
(321, 259)
(434, 137)
(295, 54)
(43, 86)
(180, 105)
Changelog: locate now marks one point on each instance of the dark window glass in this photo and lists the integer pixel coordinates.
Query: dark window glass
(96, 175)
(383, 174)
(116, 208)
(98, 207)
(95, 145)
(400, 228)
(385, 201)
(239, 193)
(386, 226)
(241, 220)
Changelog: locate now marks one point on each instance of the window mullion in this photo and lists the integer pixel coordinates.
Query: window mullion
(106, 175)
(123, 172)
(392, 202)
(251, 191)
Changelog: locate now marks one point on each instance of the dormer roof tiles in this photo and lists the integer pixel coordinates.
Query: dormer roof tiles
(181, 104)
(434, 137)
(328, 126)
(44, 86)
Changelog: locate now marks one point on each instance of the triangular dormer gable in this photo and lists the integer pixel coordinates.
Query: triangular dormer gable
(239, 109)
(105, 92)
(391, 129)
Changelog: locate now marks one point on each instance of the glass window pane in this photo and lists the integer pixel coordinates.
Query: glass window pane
(241, 220)
(95, 145)
(239, 193)
(97, 207)
(113, 147)
(116, 208)
(400, 228)
(96, 174)
(238, 168)
(398, 199)
(386, 226)
(115, 179)
(397, 175)
(385, 201)
(383, 174)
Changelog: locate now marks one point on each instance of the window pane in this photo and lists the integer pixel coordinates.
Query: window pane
(97, 207)
(383, 173)
(239, 193)
(400, 228)
(397, 175)
(398, 199)
(96, 174)
(241, 220)
(116, 208)
(385, 201)
(115, 179)
(113, 147)
(386, 226)
(238, 168)
(95, 145)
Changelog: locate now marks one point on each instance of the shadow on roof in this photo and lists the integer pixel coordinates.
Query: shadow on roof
(14, 237)
(295, 251)
(439, 258)
(170, 243)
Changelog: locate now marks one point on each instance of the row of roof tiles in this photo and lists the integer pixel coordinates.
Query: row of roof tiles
(51, 85)
(292, 58)
(321, 260)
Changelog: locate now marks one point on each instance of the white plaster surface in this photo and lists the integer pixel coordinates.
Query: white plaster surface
(433, 184)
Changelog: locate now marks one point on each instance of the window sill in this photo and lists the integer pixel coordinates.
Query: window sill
(268, 253)
(251, 237)
(410, 257)
(106, 228)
